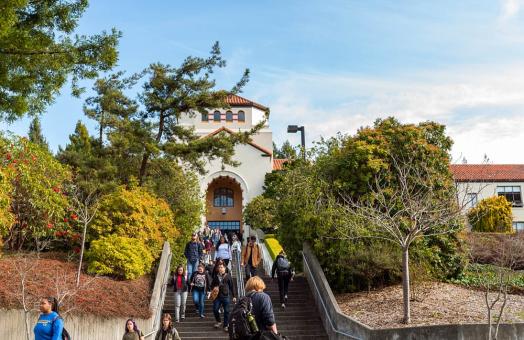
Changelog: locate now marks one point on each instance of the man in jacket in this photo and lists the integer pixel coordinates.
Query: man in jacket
(193, 254)
(251, 257)
(224, 282)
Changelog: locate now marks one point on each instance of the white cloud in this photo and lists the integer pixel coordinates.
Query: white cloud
(483, 109)
(510, 8)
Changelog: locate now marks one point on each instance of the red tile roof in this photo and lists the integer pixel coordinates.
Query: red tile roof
(235, 100)
(278, 163)
(488, 172)
(225, 129)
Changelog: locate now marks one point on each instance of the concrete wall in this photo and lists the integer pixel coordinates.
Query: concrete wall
(340, 326)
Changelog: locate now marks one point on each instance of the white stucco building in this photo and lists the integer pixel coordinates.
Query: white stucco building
(479, 181)
(228, 189)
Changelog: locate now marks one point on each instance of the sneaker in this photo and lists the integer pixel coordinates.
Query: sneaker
(177, 321)
(283, 305)
(218, 324)
(285, 298)
(226, 329)
(182, 317)
(202, 316)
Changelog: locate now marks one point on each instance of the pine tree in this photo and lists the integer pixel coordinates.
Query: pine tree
(35, 134)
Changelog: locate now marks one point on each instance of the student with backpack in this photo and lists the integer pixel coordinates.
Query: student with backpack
(200, 284)
(285, 273)
(50, 325)
(168, 331)
(223, 285)
(180, 284)
(132, 332)
(253, 317)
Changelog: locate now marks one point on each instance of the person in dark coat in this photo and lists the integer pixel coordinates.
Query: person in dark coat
(193, 253)
(285, 272)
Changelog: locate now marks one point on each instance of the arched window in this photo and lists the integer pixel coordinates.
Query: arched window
(229, 116)
(205, 117)
(223, 197)
(216, 116)
(241, 116)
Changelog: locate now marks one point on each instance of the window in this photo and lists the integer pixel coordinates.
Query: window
(518, 226)
(205, 117)
(216, 116)
(471, 199)
(223, 197)
(512, 194)
(241, 116)
(224, 225)
(229, 116)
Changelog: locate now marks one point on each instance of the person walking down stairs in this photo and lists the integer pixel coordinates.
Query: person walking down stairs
(200, 284)
(168, 331)
(223, 284)
(285, 273)
(251, 257)
(193, 253)
(180, 284)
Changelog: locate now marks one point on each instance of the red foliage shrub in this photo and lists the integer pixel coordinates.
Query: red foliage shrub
(96, 295)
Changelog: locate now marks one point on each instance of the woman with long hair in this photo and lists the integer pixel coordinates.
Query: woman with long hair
(180, 283)
(132, 332)
(168, 331)
(49, 325)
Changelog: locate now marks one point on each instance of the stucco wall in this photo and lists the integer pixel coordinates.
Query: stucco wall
(485, 190)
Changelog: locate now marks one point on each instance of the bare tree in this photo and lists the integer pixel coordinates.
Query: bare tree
(411, 201)
(85, 206)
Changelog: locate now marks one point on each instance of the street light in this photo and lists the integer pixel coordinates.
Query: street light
(295, 129)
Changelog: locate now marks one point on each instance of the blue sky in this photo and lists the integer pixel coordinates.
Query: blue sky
(338, 65)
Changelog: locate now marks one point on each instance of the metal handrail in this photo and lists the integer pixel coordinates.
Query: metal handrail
(326, 313)
(240, 274)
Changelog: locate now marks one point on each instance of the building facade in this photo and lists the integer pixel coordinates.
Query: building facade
(479, 181)
(227, 189)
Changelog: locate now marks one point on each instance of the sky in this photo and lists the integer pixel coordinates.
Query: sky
(335, 66)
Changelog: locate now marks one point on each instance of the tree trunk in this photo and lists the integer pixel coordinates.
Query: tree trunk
(405, 285)
(27, 328)
(145, 158)
(81, 254)
(101, 129)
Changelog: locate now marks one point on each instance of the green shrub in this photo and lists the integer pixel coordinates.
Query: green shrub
(273, 246)
(492, 214)
(119, 256)
(259, 214)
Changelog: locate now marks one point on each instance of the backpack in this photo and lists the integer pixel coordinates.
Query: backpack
(200, 280)
(283, 264)
(65, 333)
(239, 328)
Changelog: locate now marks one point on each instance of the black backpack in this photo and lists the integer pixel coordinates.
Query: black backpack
(65, 333)
(238, 321)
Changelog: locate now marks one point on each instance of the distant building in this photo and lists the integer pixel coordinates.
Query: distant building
(228, 189)
(479, 181)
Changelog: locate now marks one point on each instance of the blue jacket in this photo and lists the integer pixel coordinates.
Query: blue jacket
(47, 329)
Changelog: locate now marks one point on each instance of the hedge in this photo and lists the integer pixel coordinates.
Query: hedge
(273, 246)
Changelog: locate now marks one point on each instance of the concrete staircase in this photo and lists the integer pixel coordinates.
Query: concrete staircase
(299, 320)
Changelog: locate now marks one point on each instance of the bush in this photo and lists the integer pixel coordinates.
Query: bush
(494, 249)
(273, 246)
(492, 214)
(135, 213)
(259, 214)
(119, 256)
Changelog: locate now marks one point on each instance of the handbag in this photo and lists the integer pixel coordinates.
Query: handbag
(214, 293)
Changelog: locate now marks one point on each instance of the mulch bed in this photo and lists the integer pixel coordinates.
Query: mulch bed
(55, 276)
(437, 304)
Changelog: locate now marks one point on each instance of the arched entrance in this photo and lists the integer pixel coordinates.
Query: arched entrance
(224, 199)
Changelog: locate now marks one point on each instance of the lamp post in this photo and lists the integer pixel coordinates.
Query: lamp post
(295, 129)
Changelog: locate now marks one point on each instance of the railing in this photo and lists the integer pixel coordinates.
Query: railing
(320, 298)
(159, 291)
(240, 273)
(267, 260)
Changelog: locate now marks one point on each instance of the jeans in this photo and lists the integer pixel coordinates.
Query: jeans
(224, 301)
(283, 285)
(199, 296)
(250, 271)
(191, 267)
(180, 305)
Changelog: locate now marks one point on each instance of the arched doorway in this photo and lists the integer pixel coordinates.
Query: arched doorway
(224, 204)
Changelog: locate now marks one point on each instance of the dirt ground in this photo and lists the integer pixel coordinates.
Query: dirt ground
(435, 304)
(56, 277)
